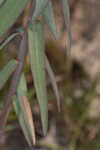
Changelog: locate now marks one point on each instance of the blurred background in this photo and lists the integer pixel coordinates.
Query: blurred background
(77, 126)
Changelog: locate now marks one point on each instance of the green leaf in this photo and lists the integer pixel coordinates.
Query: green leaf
(9, 13)
(48, 17)
(22, 87)
(7, 71)
(66, 13)
(22, 92)
(20, 114)
(36, 50)
(25, 112)
(40, 5)
(53, 81)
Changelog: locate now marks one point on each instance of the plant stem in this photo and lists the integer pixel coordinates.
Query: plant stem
(14, 82)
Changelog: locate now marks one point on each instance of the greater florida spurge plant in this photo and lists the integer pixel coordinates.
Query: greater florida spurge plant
(32, 42)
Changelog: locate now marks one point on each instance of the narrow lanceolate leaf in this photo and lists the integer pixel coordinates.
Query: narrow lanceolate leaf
(28, 117)
(22, 92)
(22, 87)
(9, 13)
(20, 114)
(22, 101)
(5, 42)
(66, 13)
(36, 50)
(53, 81)
(40, 5)
(7, 71)
(48, 17)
